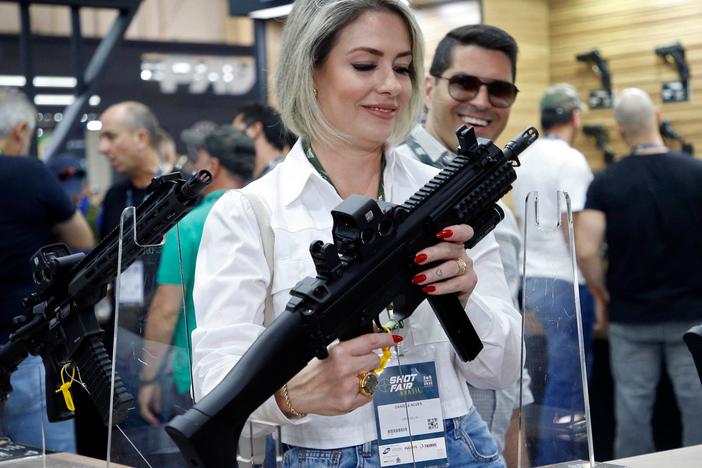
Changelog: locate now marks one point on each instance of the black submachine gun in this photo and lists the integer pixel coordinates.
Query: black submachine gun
(59, 324)
(368, 266)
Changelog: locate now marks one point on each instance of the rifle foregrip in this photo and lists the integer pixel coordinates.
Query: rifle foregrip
(96, 372)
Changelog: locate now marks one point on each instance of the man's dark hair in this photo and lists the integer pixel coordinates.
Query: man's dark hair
(482, 35)
(551, 118)
(273, 128)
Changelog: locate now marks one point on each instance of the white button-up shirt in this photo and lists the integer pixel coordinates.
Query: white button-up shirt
(232, 278)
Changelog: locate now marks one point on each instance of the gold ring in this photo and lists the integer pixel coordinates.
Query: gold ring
(367, 383)
(462, 266)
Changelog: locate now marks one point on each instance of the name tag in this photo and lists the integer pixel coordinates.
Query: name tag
(131, 285)
(408, 416)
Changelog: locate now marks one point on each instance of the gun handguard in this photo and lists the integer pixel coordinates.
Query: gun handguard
(369, 266)
(60, 325)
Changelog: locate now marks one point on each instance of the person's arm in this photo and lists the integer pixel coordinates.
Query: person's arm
(161, 322)
(590, 226)
(75, 232)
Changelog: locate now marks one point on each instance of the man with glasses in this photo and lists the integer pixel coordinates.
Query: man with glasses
(548, 166)
(471, 82)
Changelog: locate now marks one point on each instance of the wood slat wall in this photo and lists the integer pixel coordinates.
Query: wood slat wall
(528, 22)
(627, 32)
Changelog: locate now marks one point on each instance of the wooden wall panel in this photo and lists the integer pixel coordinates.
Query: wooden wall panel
(627, 32)
(527, 21)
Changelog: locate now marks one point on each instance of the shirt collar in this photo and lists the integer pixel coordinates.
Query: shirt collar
(434, 149)
(298, 172)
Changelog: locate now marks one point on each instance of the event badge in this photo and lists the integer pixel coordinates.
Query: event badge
(131, 284)
(408, 417)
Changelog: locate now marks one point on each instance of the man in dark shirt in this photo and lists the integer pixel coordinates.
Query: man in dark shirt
(34, 212)
(647, 209)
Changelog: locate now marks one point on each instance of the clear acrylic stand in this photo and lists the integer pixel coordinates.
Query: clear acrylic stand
(557, 427)
(260, 450)
(140, 440)
(24, 420)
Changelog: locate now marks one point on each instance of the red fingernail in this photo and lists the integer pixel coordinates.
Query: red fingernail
(429, 288)
(419, 278)
(397, 338)
(420, 258)
(444, 234)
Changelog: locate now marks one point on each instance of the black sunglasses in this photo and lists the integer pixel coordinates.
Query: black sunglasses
(464, 87)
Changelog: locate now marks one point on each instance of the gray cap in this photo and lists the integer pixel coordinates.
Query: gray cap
(196, 134)
(234, 150)
(561, 98)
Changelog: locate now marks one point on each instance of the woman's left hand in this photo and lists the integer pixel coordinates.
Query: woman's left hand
(455, 274)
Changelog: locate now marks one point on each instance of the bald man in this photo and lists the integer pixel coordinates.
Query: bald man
(647, 208)
(129, 139)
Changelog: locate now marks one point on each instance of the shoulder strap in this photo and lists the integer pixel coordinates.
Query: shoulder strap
(268, 239)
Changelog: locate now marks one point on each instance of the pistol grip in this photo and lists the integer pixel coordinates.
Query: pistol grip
(457, 325)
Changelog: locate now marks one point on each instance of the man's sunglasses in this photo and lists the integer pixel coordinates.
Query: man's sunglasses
(464, 87)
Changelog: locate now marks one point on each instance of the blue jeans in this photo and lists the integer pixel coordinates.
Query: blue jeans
(25, 410)
(637, 354)
(552, 301)
(468, 445)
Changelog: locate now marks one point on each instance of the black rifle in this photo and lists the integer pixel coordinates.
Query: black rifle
(667, 131)
(59, 324)
(369, 266)
(601, 136)
(595, 57)
(675, 54)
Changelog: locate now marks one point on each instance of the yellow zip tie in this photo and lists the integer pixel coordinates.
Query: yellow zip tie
(65, 386)
(387, 354)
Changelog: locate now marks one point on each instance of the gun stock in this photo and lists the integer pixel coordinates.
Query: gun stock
(369, 266)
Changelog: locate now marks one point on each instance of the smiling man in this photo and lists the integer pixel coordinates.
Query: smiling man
(471, 82)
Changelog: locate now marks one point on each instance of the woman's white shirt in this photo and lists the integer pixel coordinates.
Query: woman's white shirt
(232, 278)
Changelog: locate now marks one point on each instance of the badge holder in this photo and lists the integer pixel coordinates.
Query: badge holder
(556, 429)
(24, 419)
(406, 402)
(157, 373)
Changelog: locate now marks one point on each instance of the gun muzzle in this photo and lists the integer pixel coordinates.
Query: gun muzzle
(196, 183)
(519, 144)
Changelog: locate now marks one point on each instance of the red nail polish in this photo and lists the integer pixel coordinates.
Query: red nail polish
(419, 278)
(429, 288)
(397, 338)
(420, 258)
(444, 234)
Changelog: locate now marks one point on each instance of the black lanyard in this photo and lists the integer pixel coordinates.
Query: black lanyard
(314, 160)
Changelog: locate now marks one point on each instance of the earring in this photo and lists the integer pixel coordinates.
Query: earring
(314, 90)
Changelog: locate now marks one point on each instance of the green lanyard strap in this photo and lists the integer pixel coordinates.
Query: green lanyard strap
(314, 160)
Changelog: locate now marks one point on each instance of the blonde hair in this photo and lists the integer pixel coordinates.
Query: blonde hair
(308, 37)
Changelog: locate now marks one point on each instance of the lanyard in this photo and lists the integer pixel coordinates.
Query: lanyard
(648, 149)
(314, 160)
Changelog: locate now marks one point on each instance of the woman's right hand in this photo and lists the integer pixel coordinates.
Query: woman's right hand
(330, 387)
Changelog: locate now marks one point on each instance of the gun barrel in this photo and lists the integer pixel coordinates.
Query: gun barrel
(193, 187)
(515, 147)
